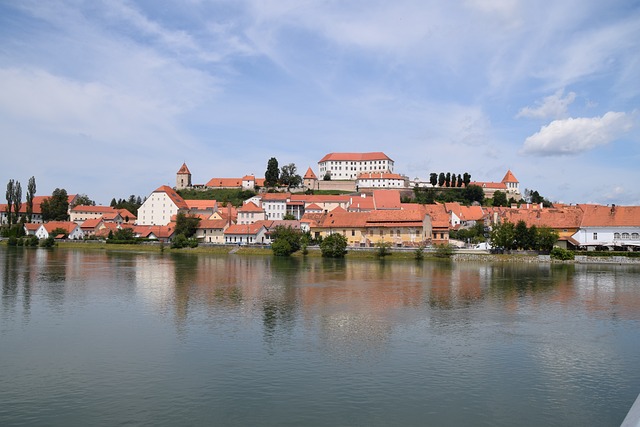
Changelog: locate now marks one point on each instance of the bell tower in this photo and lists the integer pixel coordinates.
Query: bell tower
(183, 177)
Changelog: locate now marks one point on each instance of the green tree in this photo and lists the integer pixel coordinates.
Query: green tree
(500, 199)
(473, 193)
(17, 200)
(334, 246)
(546, 238)
(285, 240)
(31, 192)
(424, 196)
(289, 176)
(327, 176)
(124, 234)
(453, 180)
(503, 236)
(459, 181)
(441, 179)
(9, 195)
(521, 235)
(383, 249)
(56, 207)
(447, 179)
(466, 178)
(83, 200)
(433, 179)
(59, 232)
(186, 224)
(272, 175)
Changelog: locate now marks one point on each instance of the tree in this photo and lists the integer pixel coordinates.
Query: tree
(272, 175)
(83, 200)
(113, 203)
(286, 240)
(9, 195)
(503, 236)
(124, 234)
(334, 246)
(499, 199)
(441, 179)
(546, 238)
(474, 193)
(31, 192)
(327, 176)
(186, 224)
(433, 179)
(56, 207)
(453, 179)
(17, 200)
(459, 181)
(466, 178)
(447, 179)
(521, 235)
(289, 177)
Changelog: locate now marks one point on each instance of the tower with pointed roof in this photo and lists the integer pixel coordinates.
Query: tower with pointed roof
(310, 179)
(183, 177)
(513, 185)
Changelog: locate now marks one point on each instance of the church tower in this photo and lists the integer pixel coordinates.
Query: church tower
(183, 177)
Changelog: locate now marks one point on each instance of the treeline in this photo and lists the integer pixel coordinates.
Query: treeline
(235, 197)
(466, 195)
(131, 204)
(449, 179)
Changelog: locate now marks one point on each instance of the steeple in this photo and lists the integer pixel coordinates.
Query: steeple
(183, 177)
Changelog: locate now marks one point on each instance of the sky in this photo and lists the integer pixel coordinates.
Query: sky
(109, 98)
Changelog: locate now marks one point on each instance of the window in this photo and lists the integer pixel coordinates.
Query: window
(353, 232)
(635, 236)
(595, 236)
(625, 236)
(616, 235)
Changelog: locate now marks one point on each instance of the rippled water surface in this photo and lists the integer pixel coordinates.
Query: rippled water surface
(93, 338)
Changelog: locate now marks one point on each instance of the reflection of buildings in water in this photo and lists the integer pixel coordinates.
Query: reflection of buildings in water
(155, 280)
(612, 290)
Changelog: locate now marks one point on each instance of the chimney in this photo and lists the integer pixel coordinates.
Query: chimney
(613, 209)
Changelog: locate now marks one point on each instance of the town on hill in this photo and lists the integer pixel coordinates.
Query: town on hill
(355, 195)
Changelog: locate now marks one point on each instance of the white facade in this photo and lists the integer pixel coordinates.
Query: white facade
(348, 166)
(380, 180)
(159, 208)
(75, 234)
(608, 236)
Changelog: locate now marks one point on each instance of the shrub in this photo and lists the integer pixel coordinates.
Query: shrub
(384, 249)
(13, 241)
(561, 254)
(179, 242)
(49, 242)
(334, 246)
(444, 251)
(419, 253)
(281, 247)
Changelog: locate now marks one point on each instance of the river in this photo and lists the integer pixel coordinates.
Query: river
(122, 338)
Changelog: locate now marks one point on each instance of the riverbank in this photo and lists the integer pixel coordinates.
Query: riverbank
(353, 253)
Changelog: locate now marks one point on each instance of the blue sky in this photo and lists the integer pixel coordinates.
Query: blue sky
(108, 98)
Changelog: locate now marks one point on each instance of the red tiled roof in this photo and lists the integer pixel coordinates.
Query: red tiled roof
(175, 198)
(339, 218)
(224, 182)
(250, 207)
(313, 207)
(85, 208)
(184, 170)
(245, 229)
(31, 226)
(160, 231)
(201, 204)
(379, 175)
(67, 226)
(386, 199)
(569, 217)
(490, 185)
(610, 216)
(509, 177)
(310, 174)
(218, 224)
(355, 157)
(276, 196)
(124, 213)
(91, 223)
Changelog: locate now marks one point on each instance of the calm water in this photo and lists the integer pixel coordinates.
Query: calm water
(88, 338)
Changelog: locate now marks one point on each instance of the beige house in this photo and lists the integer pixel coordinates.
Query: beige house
(211, 230)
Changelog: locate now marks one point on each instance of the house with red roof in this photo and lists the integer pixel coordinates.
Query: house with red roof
(70, 228)
(367, 180)
(347, 166)
(211, 230)
(36, 214)
(509, 185)
(609, 226)
(163, 233)
(249, 213)
(246, 234)
(160, 206)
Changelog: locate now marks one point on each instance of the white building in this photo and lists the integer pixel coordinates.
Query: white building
(347, 166)
(609, 226)
(72, 230)
(380, 180)
(160, 206)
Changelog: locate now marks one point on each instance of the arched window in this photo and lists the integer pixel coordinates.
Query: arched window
(625, 235)
(635, 236)
(616, 235)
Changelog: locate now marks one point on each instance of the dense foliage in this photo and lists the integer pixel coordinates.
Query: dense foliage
(186, 225)
(561, 254)
(475, 234)
(509, 236)
(334, 246)
(132, 204)
(56, 207)
(285, 240)
(272, 174)
(466, 196)
(235, 197)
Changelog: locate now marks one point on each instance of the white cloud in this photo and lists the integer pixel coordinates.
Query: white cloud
(554, 106)
(573, 136)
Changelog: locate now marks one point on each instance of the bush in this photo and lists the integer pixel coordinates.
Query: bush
(49, 242)
(561, 254)
(31, 241)
(334, 246)
(384, 249)
(281, 247)
(419, 253)
(180, 241)
(444, 251)
(13, 241)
